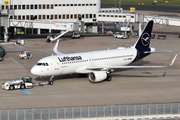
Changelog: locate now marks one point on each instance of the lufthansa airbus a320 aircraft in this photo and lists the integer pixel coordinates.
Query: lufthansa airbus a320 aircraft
(98, 64)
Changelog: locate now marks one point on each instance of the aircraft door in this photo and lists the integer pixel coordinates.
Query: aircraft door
(56, 64)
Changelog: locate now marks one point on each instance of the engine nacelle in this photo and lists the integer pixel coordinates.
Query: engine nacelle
(97, 76)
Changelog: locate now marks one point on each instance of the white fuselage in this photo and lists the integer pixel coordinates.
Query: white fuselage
(78, 62)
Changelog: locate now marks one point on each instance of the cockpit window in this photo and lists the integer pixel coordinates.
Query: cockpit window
(42, 64)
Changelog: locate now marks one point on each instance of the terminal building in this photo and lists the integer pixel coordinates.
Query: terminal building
(56, 10)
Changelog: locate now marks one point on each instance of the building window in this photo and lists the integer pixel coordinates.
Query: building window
(52, 6)
(79, 4)
(15, 17)
(52, 17)
(44, 16)
(87, 4)
(7, 7)
(75, 16)
(82, 16)
(64, 4)
(112, 16)
(39, 6)
(23, 7)
(56, 5)
(47, 6)
(83, 4)
(19, 17)
(90, 4)
(87, 16)
(2, 7)
(59, 4)
(94, 4)
(99, 15)
(11, 17)
(11, 7)
(15, 7)
(107, 15)
(31, 6)
(32, 17)
(27, 6)
(59, 16)
(55, 16)
(63, 17)
(90, 15)
(39, 17)
(71, 16)
(124, 16)
(67, 16)
(104, 15)
(67, 4)
(44, 6)
(94, 15)
(35, 17)
(120, 16)
(19, 7)
(35, 6)
(75, 4)
(71, 4)
(47, 16)
(116, 16)
(132, 16)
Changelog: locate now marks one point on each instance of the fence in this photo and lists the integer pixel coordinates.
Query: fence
(90, 112)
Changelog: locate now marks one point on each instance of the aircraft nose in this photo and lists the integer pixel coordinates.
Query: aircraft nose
(34, 71)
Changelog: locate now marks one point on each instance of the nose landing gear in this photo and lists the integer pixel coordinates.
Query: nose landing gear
(50, 82)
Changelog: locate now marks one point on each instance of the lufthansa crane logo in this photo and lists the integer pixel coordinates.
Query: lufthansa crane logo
(145, 39)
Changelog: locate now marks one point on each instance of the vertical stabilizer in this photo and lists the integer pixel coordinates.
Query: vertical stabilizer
(145, 38)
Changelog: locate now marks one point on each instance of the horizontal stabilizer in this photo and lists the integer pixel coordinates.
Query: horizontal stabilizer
(157, 51)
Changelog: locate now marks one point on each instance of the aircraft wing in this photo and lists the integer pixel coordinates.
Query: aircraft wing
(14, 43)
(55, 49)
(126, 67)
(7, 43)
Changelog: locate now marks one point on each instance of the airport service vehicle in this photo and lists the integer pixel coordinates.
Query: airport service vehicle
(25, 55)
(115, 34)
(122, 36)
(97, 64)
(26, 82)
(2, 52)
(75, 35)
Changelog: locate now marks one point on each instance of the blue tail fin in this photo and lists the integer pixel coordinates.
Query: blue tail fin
(145, 38)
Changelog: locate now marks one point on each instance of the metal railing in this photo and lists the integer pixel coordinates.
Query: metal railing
(90, 112)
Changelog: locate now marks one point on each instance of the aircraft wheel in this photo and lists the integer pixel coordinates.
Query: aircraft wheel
(50, 82)
(109, 78)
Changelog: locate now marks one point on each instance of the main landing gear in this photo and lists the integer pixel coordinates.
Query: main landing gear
(50, 82)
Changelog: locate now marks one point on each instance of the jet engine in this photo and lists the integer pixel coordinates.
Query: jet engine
(97, 76)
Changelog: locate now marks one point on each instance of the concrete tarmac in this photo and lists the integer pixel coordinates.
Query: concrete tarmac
(128, 86)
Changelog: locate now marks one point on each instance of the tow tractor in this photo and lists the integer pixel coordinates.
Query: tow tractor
(25, 82)
(25, 55)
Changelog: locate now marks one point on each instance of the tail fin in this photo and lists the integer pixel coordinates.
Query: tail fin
(145, 38)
